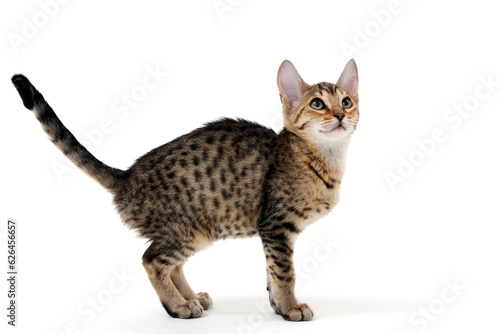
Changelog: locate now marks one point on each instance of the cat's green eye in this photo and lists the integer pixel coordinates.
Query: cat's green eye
(317, 104)
(346, 103)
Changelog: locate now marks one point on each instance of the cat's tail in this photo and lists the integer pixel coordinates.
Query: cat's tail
(107, 176)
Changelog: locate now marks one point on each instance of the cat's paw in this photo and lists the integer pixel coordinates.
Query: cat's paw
(205, 300)
(190, 309)
(300, 312)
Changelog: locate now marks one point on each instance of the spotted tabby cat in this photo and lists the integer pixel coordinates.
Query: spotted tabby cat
(229, 179)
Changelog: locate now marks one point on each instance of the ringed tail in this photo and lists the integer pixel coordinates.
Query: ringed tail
(107, 176)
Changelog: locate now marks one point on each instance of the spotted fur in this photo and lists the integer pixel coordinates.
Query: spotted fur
(228, 179)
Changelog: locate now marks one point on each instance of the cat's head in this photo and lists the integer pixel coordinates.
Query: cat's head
(320, 112)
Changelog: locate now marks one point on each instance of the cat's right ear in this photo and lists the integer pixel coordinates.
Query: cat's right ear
(290, 85)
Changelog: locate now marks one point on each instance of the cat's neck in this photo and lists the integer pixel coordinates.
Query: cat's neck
(332, 153)
(326, 157)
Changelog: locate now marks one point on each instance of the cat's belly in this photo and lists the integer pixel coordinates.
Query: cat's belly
(240, 229)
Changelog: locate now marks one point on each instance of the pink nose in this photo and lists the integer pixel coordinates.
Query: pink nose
(339, 115)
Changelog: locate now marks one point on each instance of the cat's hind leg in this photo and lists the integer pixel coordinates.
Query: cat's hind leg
(159, 262)
(185, 290)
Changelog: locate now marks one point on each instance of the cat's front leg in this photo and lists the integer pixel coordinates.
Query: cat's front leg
(281, 279)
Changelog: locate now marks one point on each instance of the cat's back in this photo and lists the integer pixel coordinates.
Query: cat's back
(232, 139)
(213, 174)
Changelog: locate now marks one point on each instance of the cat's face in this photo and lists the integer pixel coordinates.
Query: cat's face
(321, 112)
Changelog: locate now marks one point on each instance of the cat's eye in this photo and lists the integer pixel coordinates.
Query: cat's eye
(317, 104)
(346, 103)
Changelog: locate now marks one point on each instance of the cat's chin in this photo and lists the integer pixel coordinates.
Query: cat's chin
(335, 134)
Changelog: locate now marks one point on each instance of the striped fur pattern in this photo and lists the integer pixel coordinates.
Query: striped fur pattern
(228, 179)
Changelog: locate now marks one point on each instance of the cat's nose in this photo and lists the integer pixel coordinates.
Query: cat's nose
(339, 115)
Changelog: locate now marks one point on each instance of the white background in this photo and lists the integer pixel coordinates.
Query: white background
(392, 250)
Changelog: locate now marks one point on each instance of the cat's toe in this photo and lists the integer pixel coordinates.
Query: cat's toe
(205, 300)
(190, 309)
(300, 312)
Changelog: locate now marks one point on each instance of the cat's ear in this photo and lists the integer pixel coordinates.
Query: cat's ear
(290, 85)
(348, 80)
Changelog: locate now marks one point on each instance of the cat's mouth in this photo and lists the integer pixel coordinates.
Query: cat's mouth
(331, 128)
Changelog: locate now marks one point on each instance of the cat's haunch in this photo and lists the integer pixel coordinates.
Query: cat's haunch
(228, 179)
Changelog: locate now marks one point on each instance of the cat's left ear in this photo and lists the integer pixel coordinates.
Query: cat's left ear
(290, 85)
(348, 80)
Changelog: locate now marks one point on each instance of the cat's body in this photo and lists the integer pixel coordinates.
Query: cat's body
(229, 179)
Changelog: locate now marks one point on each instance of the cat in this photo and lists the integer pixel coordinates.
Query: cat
(228, 179)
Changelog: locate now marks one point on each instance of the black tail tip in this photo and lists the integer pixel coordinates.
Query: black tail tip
(26, 90)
